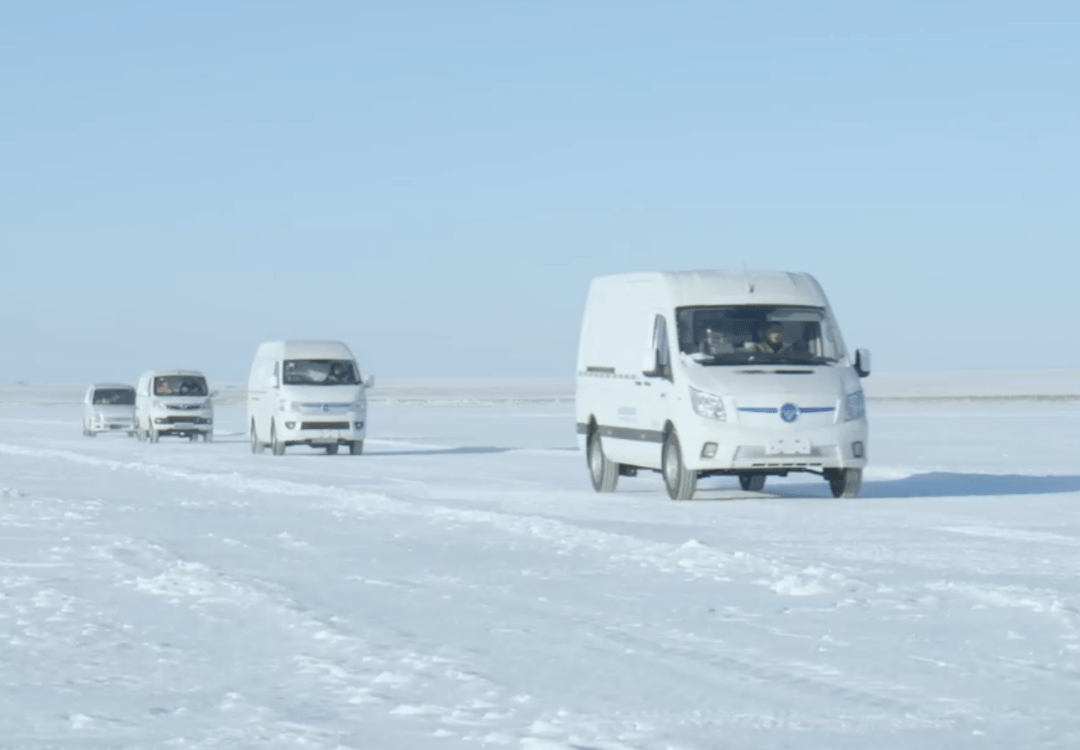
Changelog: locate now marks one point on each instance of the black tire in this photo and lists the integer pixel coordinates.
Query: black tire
(277, 447)
(603, 471)
(331, 450)
(193, 438)
(208, 436)
(153, 435)
(356, 447)
(256, 446)
(752, 482)
(680, 482)
(845, 482)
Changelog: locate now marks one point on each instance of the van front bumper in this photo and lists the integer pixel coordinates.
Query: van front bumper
(308, 430)
(732, 448)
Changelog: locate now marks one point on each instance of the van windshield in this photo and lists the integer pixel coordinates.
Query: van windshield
(319, 372)
(758, 334)
(114, 396)
(179, 385)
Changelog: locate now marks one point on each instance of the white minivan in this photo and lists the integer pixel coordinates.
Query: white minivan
(109, 407)
(307, 393)
(697, 374)
(173, 402)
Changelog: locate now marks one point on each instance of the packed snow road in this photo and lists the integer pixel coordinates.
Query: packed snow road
(460, 585)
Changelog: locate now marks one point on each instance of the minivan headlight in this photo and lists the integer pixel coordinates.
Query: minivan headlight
(707, 405)
(854, 406)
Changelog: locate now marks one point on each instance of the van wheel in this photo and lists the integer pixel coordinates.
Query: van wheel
(844, 482)
(681, 483)
(208, 437)
(603, 471)
(331, 450)
(193, 438)
(153, 435)
(277, 447)
(356, 447)
(256, 446)
(752, 482)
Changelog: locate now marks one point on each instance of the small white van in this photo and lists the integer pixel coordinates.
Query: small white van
(697, 374)
(173, 402)
(109, 407)
(307, 393)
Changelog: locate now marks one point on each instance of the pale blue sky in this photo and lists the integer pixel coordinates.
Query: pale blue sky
(436, 182)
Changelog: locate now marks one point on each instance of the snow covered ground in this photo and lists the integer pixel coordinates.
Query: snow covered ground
(460, 585)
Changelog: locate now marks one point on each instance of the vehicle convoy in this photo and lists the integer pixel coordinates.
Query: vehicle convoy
(175, 403)
(704, 373)
(307, 393)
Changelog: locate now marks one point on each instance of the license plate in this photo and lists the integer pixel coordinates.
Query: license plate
(788, 446)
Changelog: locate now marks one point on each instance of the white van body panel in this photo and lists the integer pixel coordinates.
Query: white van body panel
(173, 414)
(776, 417)
(316, 415)
(100, 414)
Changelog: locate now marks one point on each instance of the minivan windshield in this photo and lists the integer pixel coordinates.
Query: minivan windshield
(758, 334)
(319, 372)
(179, 385)
(114, 396)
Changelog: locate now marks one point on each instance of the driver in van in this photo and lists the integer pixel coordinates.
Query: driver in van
(772, 339)
(337, 373)
(163, 387)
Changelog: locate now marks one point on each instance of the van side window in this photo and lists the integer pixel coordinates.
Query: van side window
(661, 349)
(276, 380)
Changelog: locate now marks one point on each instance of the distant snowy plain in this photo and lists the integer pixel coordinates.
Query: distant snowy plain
(461, 586)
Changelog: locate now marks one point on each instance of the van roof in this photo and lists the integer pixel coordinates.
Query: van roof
(305, 349)
(159, 373)
(113, 385)
(718, 286)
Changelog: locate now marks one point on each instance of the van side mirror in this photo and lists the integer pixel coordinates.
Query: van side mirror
(369, 381)
(651, 366)
(862, 362)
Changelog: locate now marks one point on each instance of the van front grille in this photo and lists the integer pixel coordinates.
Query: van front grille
(324, 425)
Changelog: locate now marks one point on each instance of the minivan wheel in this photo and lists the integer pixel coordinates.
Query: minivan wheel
(256, 446)
(356, 447)
(277, 447)
(752, 482)
(603, 471)
(680, 482)
(331, 450)
(153, 435)
(844, 482)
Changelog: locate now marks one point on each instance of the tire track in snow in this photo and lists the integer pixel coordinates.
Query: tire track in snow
(690, 560)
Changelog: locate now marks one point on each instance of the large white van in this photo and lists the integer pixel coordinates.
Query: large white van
(109, 407)
(306, 393)
(173, 402)
(705, 373)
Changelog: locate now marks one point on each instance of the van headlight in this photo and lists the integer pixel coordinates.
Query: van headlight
(854, 406)
(707, 405)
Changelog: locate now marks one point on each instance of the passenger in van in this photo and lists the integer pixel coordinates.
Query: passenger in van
(163, 387)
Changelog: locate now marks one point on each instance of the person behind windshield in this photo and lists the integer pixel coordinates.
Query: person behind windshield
(337, 374)
(163, 387)
(772, 339)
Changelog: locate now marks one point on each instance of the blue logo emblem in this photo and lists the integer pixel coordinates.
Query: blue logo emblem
(789, 412)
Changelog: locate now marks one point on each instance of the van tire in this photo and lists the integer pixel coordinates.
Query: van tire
(844, 482)
(356, 447)
(331, 450)
(153, 435)
(256, 446)
(603, 471)
(277, 447)
(208, 437)
(752, 482)
(680, 482)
